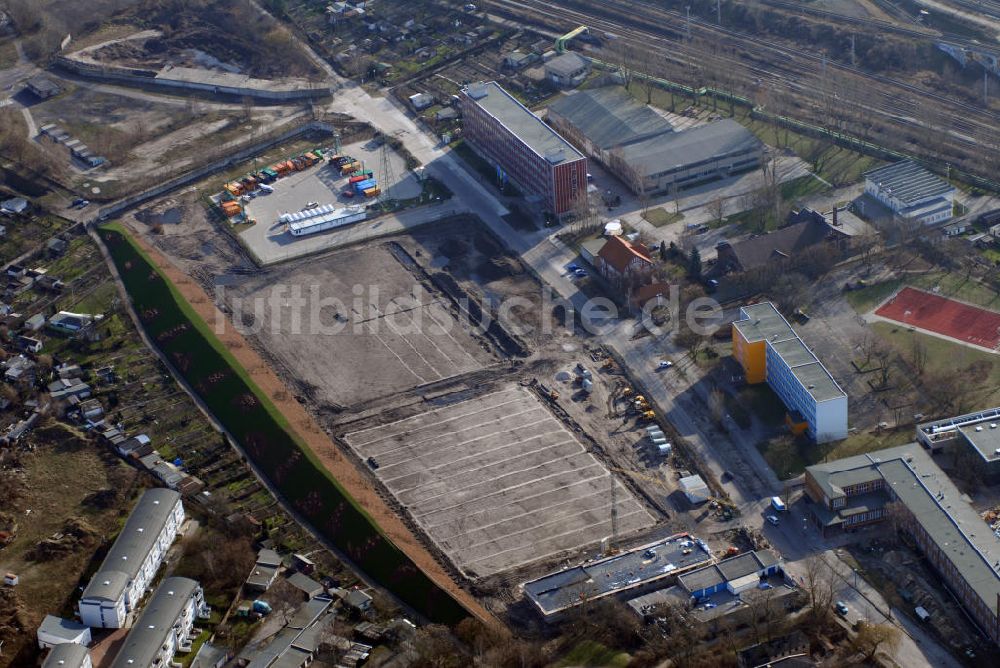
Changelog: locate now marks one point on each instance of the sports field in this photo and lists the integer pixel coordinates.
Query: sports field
(927, 311)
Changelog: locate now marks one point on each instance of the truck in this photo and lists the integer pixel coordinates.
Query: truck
(350, 167)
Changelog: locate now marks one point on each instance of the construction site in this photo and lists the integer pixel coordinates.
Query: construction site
(507, 440)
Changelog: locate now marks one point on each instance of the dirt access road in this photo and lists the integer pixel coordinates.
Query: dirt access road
(314, 437)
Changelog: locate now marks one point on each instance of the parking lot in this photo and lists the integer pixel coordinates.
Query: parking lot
(354, 326)
(497, 481)
(322, 184)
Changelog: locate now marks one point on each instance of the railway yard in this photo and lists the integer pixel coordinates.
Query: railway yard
(781, 78)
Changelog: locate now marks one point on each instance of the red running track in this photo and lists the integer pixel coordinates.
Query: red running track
(928, 311)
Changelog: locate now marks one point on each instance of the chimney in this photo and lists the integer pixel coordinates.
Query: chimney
(835, 215)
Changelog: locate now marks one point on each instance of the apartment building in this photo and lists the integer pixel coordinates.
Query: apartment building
(165, 626)
(133, 560)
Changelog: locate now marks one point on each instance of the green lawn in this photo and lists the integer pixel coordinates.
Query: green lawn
(957, 286)
(591, 653)
(802, 187)
(954, 284)
(789, 457)
(869, 297)
(836, 165)
(264, 433)
(947, 357)
(659, 216)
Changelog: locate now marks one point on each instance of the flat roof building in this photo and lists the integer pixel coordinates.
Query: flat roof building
(769, 350)
(68, 655)
(716, 577)
(911, 192)
(133, 560)
(854, 491)
(543, 164)
(632, 572)
(978, 433)
(58, 631)
(641, 148)
(164, 628)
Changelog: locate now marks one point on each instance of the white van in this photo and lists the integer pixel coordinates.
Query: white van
(778, 504)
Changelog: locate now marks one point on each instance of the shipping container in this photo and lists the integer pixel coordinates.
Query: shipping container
(350, 167)
(365, 185)
(271, 172)
(358, 179)
(372, 192)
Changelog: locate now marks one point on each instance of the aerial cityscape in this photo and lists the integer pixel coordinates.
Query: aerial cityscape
(506, 333)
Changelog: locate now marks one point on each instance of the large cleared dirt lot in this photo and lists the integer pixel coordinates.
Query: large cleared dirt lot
(354, 326)
(497, 481)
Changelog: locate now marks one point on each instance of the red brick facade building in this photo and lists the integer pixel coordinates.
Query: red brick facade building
(529, 152)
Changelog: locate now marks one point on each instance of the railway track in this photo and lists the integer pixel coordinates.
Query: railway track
(898, 105)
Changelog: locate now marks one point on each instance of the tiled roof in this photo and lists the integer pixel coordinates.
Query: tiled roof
(619, 252)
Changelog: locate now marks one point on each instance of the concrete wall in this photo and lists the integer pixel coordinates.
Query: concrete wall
(139, 77)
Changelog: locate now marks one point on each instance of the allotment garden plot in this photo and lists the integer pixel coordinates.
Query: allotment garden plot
(355, 326)
(497, 481)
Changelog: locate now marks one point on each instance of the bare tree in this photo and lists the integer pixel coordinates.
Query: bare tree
(871, 638)
(819, 583)
(918, 355)
(622, 55)
(716, 208)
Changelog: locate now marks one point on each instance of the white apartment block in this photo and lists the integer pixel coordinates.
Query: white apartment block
(133, 560)
(165, 627)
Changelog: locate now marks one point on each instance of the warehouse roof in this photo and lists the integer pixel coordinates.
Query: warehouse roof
(566, 65)
(517, 118)
(610, 117)
(156, 623)
(66, 655)
(728, 570)
(140, 533)
(681, 150)
(908, 182)
(662, 559)
(936, 504)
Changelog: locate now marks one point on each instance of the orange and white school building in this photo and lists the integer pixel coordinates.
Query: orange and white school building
(770, 351)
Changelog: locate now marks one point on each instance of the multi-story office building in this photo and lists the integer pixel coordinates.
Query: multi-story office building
(133, 560)
(855, 491)
(544, 166)
(769, 350)
(165, 626)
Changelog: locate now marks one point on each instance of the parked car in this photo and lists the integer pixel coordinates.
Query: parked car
(664, 364)
(572, 267)
(311, 205)
(372, 463)
(841, 608)
(773, 520)
(580, 273)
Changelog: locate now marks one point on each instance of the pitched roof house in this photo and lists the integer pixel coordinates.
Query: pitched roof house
(623, 263)
(779, 245)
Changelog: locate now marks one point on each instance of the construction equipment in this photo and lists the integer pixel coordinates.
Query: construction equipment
(627, 392)
(648, 416)
(608, 364)
(614, 500)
